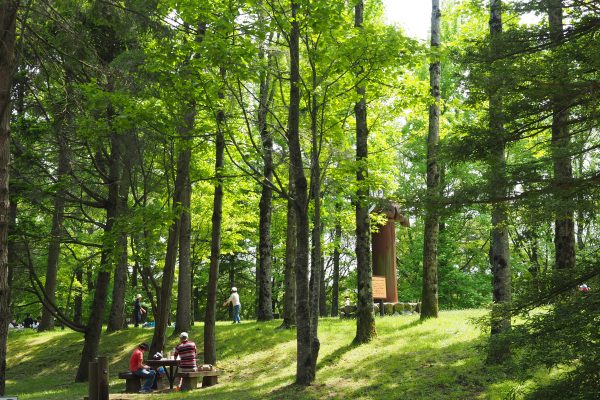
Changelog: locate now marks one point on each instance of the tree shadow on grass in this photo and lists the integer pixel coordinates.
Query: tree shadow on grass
(457, 371)
(335, 356)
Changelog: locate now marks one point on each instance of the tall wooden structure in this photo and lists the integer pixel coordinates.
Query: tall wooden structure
(383, 244)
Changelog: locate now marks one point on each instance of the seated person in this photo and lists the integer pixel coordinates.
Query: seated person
(28, 321)
(186, 350)
(137, 367)
(13, 324)
(160, 371)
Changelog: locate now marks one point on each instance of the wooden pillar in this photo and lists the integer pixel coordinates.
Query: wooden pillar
(384, 258)
(103, 378)
(93, 380)
(98, 379)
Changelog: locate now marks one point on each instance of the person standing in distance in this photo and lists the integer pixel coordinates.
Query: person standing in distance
(138, 310)
(234, 299)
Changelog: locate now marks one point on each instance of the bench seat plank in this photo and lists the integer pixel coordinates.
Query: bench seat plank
(195, 374)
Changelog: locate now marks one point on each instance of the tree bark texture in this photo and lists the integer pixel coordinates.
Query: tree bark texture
(335, 285)
(58, 215)
(316, 252)
(365, 321)
(264, 310)
(323, 312)
(429, 295)
(289, 295)
(116, 320)
(564, 225)
(183, 317)
(499, 244)
(164, 300)
(305, 373)
(94, 325)
(210, 345)
(8, 18)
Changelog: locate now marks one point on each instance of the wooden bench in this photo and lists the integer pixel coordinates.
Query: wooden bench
(190, 379)
(133, 383)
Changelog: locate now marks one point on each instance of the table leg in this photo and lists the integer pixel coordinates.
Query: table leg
(171, 377)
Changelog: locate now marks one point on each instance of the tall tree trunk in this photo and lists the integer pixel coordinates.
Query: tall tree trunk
(335, 286)
(564, 225)
(499, 250)
(365, 321)
(231, 268)
(322, 288)
(183, 318)
(164, 296)
(78, 300)
(305, 373)
(149, 284)
(210, 345)
(289, 295)
(429, 295)
(265, 302)
(181, 183)
(116, 320)
(47, 322)
(315, 255)
(8, 18)
(94, 325)
(12, 243)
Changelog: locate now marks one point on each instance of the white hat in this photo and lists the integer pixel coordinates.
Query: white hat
(234, 289)
(139, 296)
(183, 335)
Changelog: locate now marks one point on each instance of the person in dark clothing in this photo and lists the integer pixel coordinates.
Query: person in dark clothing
(28, 322)
(138, 310)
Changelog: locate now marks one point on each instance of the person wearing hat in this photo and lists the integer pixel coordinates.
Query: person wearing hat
(234, 299)
(186, 350)
(138, 310)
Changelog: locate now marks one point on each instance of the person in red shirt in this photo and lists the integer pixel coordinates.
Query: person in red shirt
(137, 366)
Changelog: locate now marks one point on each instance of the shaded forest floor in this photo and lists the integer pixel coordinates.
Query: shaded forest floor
(437, 359)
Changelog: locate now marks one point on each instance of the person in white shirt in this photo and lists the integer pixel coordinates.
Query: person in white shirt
(234, 299)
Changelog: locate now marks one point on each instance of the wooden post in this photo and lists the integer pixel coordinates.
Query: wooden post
(102, 378)
(93, 380)
(209, 381)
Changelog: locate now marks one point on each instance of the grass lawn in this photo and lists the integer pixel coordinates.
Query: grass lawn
(437, 359)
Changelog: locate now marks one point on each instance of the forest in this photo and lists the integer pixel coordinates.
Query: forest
(177, 149)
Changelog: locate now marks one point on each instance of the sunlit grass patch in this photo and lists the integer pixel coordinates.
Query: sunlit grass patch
(409, 359)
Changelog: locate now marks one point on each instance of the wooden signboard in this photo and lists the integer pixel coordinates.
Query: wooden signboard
(379, 289)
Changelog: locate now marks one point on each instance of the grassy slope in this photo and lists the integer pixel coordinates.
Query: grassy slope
(438, 359)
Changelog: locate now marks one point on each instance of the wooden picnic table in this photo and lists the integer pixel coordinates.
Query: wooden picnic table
(172, 365)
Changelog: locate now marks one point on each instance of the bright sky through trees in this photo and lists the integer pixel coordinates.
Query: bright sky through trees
(412, 15)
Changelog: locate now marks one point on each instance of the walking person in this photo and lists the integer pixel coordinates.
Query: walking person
(234, 299)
